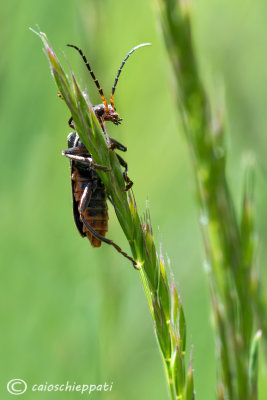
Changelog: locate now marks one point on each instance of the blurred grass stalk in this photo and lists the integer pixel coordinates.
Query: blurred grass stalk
(164, 303)
(229, 242)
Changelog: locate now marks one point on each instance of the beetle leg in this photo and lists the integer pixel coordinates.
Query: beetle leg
(102, 124)
(73, 154)
(75, 150)
(86, 196)
(89, 161)
(84, 202)
(110, 199)
(117, 145)
(127, 180)
(71, 123)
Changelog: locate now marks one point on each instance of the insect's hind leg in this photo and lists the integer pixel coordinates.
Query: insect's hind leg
(127, 180)
(84, 202)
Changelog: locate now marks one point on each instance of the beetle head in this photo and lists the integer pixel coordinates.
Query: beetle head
(107, 113)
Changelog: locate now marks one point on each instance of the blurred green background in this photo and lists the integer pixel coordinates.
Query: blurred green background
(77, 314)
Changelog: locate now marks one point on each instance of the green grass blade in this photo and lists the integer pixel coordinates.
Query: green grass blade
(229, 243)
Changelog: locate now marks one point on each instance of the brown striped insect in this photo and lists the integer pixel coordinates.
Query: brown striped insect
(89, 194)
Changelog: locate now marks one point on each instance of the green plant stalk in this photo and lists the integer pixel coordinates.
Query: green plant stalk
(229, 243)
(163, 300)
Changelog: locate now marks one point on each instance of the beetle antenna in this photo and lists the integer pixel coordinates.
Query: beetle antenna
(92, 75)
(119, 71)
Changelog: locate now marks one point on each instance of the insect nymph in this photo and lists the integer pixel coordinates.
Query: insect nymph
(89, 194)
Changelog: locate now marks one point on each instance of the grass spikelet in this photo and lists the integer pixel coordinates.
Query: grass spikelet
(163, 300)
(229, 241)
